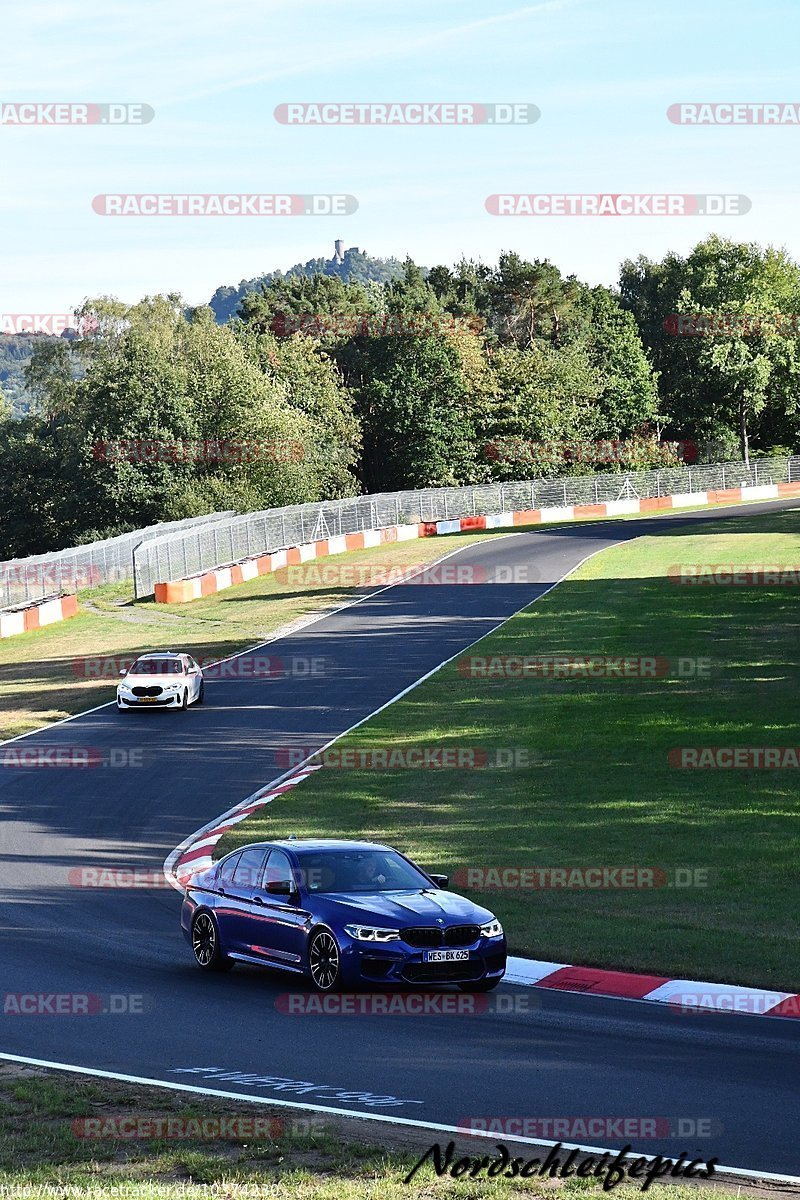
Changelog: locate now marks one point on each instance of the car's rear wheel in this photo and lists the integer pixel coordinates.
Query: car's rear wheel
(324, 961)
(480, 985)
(205, 944)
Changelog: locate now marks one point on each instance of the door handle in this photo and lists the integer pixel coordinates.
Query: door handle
(258, 900)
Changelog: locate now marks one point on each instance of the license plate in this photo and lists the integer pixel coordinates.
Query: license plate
(446, 955)
(147, 699)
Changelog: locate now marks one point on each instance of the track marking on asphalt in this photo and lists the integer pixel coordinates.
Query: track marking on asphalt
(496, 537)
(187, 843)
(287, 633)
(382, 1118)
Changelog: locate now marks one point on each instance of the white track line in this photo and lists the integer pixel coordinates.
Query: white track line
(382, 1118)
(292, 630)
(171, 859)
(656, 515)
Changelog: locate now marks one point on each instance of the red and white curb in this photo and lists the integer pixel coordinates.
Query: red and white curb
(195, 854)
(681, 995)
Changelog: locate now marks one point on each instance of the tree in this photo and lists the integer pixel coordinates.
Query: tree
(712, 327)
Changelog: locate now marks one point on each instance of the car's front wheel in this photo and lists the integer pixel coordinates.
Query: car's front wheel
(185, 700)
(201, 694)
(324, 961)
(205, 944)
(480, 985)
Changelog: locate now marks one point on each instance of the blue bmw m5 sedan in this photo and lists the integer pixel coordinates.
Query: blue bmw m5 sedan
(343, 914)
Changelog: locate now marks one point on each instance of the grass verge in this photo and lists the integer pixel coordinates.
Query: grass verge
(57, 1142)
(44, 676)
(600, 790)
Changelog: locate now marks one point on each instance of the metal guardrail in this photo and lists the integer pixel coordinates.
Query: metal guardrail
(229, 539)
(108, 561)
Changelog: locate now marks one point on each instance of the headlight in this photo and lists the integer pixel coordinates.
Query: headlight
(368, 933)
(492, 929)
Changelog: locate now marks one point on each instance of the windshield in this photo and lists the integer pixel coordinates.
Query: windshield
(359, 871)
(157, 666)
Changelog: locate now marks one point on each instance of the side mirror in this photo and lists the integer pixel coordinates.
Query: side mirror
(280, 887)
(441, 881)
(124, 671)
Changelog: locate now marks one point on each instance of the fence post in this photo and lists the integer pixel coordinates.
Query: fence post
(564, 485)
(723, 477)
(755, 472)
(135, 580)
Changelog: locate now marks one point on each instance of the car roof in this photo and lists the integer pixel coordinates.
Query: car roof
(161, 654)
(313, 844)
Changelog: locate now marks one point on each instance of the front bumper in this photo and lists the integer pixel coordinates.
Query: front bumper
(398, 964)
(150, 702)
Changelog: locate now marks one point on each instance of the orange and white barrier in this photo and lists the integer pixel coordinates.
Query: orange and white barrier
(206, 584)
(35, 616)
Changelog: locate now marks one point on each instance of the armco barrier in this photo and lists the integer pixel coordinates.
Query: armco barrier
(194, 587)
(35, 616)
(187, 553)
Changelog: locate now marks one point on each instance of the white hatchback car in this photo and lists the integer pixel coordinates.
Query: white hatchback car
(161, 679)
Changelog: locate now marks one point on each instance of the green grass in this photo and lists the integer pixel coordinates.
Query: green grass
(600, 790)
(42, 1158)
(39, 679)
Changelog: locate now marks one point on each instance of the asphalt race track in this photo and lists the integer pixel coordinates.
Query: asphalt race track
(566, 1055)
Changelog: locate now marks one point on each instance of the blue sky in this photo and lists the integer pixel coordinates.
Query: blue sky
(602, 74)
